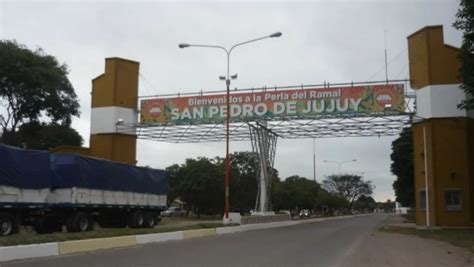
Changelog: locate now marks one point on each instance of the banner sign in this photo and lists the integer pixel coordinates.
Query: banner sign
(294, 103)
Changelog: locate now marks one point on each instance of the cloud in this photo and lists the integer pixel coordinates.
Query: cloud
(335, 41)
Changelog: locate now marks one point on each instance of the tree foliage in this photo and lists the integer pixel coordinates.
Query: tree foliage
(295, 193)
(33, 85)
(365, 204)
(350, 187)
(387, 206)
(43, 136)
(327, 203)
(199, 183)
(243, 184)
(402, 168)
(465, 23)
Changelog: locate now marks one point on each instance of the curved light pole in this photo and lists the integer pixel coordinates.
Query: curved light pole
(340, 163)
(227, 82)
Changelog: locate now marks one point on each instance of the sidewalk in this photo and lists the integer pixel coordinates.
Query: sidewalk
(391, 249)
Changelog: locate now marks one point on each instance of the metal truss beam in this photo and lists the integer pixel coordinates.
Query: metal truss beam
(287, 128)
(387, 123)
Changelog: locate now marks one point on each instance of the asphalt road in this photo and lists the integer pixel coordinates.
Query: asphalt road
(326, 243)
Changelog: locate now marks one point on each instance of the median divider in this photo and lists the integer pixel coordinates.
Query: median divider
(312, 220)
(259, 226)
(228, 230)
(75, 246)
(28, 251)
(199, 233)
(161, 237)
(68, 247)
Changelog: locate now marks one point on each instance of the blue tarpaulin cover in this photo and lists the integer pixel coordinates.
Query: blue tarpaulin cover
(38, 169)
(72, 170)
(29, 169)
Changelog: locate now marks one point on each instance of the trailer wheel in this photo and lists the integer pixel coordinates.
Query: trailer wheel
(6, 224)
(135, 219)
(150, 219)
(79, 222)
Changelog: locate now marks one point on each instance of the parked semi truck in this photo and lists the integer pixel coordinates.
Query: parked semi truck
(50, 190)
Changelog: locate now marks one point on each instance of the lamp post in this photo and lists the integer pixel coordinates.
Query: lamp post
(314, 160)
(340, 163)
(227, 82)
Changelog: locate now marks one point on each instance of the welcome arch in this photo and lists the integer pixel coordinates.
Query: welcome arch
(443, 135)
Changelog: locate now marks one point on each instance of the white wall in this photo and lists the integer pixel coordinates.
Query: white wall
(440, 101)
(104, 119)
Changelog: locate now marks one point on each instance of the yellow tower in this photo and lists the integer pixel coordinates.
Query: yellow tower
(443, 142)
(114, 100)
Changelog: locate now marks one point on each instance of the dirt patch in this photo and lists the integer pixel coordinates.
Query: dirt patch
(393, 249)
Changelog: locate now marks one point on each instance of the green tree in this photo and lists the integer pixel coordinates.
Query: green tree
(295, 193)
(402, 168)
(387, 206)
(175, 182)
(365, 204)
(350, 187)
(33, 86)
(243, 183)
(199, 183)
(328, 203)
(43, 136)
(465, 23)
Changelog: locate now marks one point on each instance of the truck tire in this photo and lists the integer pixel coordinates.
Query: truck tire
(135, 219)
(150, 219)
(79, 222)
(7, 224)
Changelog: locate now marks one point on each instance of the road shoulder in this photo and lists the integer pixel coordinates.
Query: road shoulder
(392, 249)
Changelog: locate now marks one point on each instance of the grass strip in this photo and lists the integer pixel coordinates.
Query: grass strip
(28, 237)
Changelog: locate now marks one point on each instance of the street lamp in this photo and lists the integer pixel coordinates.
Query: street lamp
(340, 163)
(227, 79)
(314, 160)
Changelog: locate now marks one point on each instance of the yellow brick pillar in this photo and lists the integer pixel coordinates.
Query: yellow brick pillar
(445, 132)
(114, 98)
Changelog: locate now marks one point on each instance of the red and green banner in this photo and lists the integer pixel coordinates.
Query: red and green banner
(274, 104)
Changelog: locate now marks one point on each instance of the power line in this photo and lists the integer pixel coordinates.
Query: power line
(148, 86)
(402, 71)
(388, 63)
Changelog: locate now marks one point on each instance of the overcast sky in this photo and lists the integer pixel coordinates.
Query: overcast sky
(334, 41)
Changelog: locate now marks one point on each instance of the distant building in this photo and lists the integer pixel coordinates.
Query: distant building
(399, 209)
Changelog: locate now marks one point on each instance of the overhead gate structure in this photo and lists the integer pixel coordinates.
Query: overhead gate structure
(261, 115)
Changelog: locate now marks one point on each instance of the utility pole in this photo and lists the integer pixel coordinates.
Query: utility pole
(314, 159)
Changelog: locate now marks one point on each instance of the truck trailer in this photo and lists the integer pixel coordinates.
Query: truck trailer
(51, 190)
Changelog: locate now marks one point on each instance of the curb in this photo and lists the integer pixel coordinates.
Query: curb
(199, 233)
(68, 247)
(160, 237)
(28, 251)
